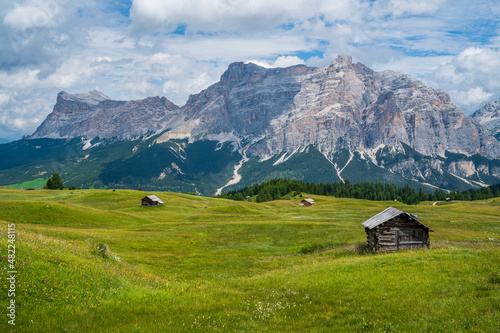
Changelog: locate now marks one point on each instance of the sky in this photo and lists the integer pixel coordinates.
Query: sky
(173, 48)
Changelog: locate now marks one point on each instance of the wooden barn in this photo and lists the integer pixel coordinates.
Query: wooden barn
(151, 200)
(308, 202)
(393, 229)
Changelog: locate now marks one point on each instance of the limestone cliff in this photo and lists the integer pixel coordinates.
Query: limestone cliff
(95, 115)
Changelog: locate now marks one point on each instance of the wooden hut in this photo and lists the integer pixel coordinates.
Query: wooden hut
(393, 229)
(308, 202)
(151, 200)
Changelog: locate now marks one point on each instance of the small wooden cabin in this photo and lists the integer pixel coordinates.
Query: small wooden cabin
(151, 200)
(393, 230)
(308, 202)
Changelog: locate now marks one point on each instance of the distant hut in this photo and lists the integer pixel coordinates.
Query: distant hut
(308, 202)
(151, 200)
(393, 229)
(448, 199)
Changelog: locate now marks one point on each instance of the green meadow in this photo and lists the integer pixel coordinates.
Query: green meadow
(214, 265)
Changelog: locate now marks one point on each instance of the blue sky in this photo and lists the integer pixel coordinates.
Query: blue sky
(172, 48)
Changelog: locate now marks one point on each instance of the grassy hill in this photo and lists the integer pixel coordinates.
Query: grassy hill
(204, 264)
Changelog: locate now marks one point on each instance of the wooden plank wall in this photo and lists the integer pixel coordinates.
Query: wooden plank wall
(397, 234)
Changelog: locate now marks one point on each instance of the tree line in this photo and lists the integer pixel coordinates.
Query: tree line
(276, 189)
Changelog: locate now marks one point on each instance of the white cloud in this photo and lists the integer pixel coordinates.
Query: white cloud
(472, 77)
(4, 99)
(260, 63)
(413, 7)
(477, 59)
(282, 61)
(21, 116)
(35, 14)
(472, 96)
(287, 61)
(224, 15)
(26, 78)
(231, 48)
(418, 67)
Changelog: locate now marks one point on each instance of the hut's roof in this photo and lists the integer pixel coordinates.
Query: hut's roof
(153, 198)
(387, 215)
(309, 200)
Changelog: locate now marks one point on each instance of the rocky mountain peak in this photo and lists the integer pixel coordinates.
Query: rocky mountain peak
(342, 103)
(489, 117)
(344, 59)
(489, 109)
(240, 72)
(93, 97)
(94, 114)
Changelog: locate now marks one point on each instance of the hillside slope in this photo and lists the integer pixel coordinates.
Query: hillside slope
(210, 264)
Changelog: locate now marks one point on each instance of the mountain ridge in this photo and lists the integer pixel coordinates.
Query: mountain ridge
(387, 119)
(94, 114)
(219, 109)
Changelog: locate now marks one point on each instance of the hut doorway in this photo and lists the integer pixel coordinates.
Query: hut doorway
(410, 239)
(402, 238)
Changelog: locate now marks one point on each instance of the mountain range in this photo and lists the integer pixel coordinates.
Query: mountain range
(337, 123)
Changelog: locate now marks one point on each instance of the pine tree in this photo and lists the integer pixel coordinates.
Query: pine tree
(48, 186)
(57, 181)
(54, 183)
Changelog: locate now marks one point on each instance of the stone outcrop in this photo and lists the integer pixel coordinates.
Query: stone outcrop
(95, 115)
(489, 117)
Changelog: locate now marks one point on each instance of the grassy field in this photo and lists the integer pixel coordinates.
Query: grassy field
(36, 184)
(214, 265)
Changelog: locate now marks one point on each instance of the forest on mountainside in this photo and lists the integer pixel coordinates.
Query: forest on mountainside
(282, 188)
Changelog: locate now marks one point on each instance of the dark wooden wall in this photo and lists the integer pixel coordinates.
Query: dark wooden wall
(397, 234)
(149, 202)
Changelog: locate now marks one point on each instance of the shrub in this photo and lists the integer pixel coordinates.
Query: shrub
(71, 188)
(101, 250)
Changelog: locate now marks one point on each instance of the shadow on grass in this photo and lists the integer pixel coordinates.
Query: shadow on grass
(358, 248)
